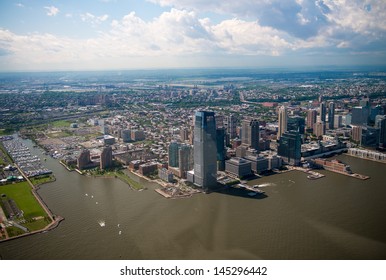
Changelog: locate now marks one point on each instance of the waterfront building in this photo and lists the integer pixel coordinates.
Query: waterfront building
(366, 154)
(205, 150)
(282, 121)
(274, 162)
(322, 111)
(250, 133)
(147, 168)
(84, 159)
(311, 118)
(380, 122)
(289, 147)
(165, 175)
(221, 151)
(370, 136)
(186, 162)
(173, 154)
(238, 167)
(259, 164)
(106, 158)
(319, 129)
(331, 115)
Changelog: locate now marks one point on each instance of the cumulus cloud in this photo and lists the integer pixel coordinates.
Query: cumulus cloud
(94, 20)
(51, 10)
(300, 18)
(184, 33)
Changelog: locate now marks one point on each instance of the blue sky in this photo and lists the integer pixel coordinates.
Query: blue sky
(136, 34)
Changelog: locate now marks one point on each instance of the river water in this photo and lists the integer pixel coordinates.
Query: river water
(336, 217)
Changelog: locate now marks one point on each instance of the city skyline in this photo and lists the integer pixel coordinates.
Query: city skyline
(113, 34)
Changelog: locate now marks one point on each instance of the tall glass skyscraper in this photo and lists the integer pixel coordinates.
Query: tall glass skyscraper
(323, 112)
(282, 122)
(289, 147)
(331, 115)
(250, 133)
(205, 150)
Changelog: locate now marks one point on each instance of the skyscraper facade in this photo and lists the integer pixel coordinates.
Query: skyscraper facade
(106, 158)
(231, 126)
(221, 152)
(185, 154)
(205, 150)
(331, 115)
(319, 129)
(250, 133)
(311, 118)
(173, 154)
(282, 122)
(323, 112)
(83, 159)
(289, 147)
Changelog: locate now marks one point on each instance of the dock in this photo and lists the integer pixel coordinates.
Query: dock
(312, 175)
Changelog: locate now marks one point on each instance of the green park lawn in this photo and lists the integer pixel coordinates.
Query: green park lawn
(25, 200)
(61, 123)
(42, 179)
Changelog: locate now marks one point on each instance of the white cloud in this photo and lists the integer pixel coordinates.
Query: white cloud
(20, 5)
(51, 10)
(94, 20)
(181, 35)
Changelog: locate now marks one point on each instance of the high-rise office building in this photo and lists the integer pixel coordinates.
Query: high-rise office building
(289, 147)
(221, 152)
(205, 150)
(319, 129)
(106, 158)
(323, 112)
(370, 136)
(380, 122)
(311, 118)
(186, 163)
(173, 154)
(282, 121)
(360, 115)
(338, 121)
(231, 126)
(296, 123)
(331, 115)
(250, 133)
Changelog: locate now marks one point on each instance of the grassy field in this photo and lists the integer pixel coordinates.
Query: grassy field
(61, 123)
(117, 174)
(22, 195)
(42, 179)
(134, 184)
